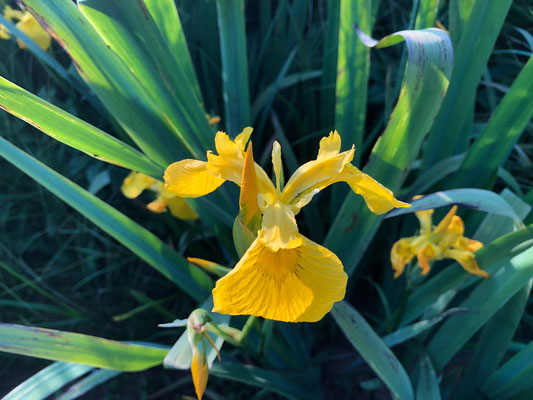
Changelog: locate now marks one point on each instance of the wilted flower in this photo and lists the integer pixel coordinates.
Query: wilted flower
(446, 240)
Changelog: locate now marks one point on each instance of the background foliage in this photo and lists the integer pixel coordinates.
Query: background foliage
(59, 271)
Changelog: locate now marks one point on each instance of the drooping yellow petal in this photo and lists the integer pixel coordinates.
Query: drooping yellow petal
(330, 146)
(467, 261)
(248, 203)
(29, 25)
(377, 197)
(280, 230)
(468, 244)
(401, 254)
(190, 178)
(158, 205)
(136, 183)
(292, 285)
(313, 173)
(179, 208)
(199, 372)
(10, 14)
(428, 252)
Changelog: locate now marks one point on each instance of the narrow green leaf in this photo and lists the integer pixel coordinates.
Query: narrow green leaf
(287, 384)
(353, 69)
(136, 238)
(112, 81)
(77, 348)
(168, 23)
(235, 86)
(485, 300)
(47, 381)
(72, 131)
(429, 64)
(493, 343)
(428, 385)
(427, 14)
(513, 378)
(329, 65)
(471, 56)
(88, 383)
(497, 138)
(373, 350)
(410, 331)
(477, 199)
(129, 30)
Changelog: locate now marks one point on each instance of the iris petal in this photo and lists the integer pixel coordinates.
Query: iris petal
(292, 285)
(190, 178)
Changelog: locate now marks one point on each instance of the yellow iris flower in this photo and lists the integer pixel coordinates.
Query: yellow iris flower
(136, 183)
(446, 240)
(283, 275)
(27, 24)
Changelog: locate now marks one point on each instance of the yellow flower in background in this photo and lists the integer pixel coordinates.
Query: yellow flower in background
(446, 240)
(27, 24)
(136, 183)
(283, 275)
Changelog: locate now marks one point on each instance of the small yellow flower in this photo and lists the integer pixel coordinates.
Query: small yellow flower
(283, 275)
(136, 183)
(446, 240)
(27, 24)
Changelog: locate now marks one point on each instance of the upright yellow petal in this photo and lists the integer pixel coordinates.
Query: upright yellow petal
(179, 208)
(227, 148)
(136, 183)
(292, 285)
(377, 197)
(467, 261)
(454, 231)
(330, 146)
(248, 203)
(277, 164)
(190, 178)
(425, 218)
(445, 222)
(29, 25)
(280, 230)
(401, 254)
(242, 138)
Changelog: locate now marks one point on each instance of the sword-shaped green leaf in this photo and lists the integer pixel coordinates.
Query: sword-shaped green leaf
(429, 65)
(72, 347)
